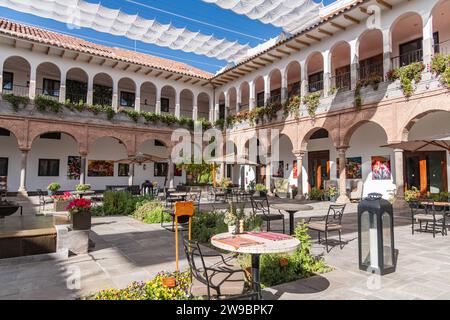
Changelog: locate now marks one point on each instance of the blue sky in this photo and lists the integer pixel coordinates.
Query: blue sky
(240, 28)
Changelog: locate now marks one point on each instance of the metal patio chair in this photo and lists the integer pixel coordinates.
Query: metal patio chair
(332, 222)
(261, 207)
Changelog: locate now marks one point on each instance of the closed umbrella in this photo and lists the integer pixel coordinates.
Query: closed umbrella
(229, 159)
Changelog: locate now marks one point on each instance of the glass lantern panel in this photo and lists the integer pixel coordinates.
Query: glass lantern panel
(387, 245)
(365, 238)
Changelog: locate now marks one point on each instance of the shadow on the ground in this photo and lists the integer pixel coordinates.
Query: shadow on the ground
(311, 285)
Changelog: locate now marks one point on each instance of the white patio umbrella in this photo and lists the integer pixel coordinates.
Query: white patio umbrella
(229, 159)
(434, 143)
(141, 158)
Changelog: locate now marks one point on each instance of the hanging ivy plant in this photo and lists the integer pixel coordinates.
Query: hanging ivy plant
(440, 65)
(292, 106)
(16, 102)
(373, 80)
(272, 109)
(312, 102)
(44, 103)
(408, 75)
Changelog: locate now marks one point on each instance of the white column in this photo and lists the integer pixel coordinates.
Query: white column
(343, 198)
(387, 52)
(354, 63)
(299, 156)
(158, 101)
(115, 98)
(326, 72)
(23, 172)
(195, 112)
(266, 89)
(177, 105)
(90, 91)
(216, 111)
(303, 79)
(251, 100)
(32, 88)
(211, 111)
(170, 175)
(399, 179)
(284, 85)
(137, 99)
(428, 39)
(83, 169)
(62, 87)
(131, 175)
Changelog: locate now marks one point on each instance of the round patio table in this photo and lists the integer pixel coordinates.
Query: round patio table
(81, 194)
(291, 208)
(262, 245)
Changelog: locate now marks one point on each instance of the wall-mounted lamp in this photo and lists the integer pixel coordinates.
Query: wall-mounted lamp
(144, 167)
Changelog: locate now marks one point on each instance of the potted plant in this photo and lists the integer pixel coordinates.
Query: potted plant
(332, 193)
(82, 187)
(231, 218)
(252, 186)
(60, 203)
(412, 194)
(53, 188)
(226, 184)
(294, 191)
(260, 190)
(80, 213)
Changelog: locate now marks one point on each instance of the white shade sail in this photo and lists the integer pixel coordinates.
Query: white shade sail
(95, 16)
(291, 15)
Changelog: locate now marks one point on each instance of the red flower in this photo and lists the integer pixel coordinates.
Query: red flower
(79, 205)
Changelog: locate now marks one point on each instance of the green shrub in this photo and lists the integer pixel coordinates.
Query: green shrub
(150, 290)
(44, 103)
(316, 194)
(151, 212)
(54, 186)
(412, 194)
(132, 114)
(300, 264)
(207, 224)
(312, 102)
(16, 102)
(118, 203)
(82, 187)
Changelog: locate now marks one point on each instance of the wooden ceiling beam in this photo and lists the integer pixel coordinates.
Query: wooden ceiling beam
(328, 33)
(302, 42)
(178, 78)
(158, 74)
(148, 72)
(287, 53)
(169, 76)
(312, 37)
(263, 59)
(352, 19)
(195, 81)
(239, 73)
(385, 4)
(138, 70)
(274, 56)
(187, 80)
(338, 26)
(293, 47)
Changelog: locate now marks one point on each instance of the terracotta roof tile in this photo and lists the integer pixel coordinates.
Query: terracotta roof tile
(72, 43)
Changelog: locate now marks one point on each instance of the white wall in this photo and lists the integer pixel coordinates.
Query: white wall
(10, 149)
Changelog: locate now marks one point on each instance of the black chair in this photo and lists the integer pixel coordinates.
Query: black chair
(329, 223)
(196, 197)
(43, 200)
(261, 207)
(219, 280)
(425, 211)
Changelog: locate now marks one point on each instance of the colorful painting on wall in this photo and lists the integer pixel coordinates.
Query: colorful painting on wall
(294, 169)
(73, 167)
(353, 168)
(381, 168)
(124, 170)
(100, 168)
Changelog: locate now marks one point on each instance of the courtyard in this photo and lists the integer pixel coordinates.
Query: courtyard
(128, 250)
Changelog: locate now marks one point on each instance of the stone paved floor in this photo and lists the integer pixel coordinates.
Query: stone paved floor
(128, 250)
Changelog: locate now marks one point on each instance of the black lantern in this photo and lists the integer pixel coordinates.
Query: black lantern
(376, 235)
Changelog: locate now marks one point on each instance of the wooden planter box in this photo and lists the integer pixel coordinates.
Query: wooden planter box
(81, 221)
(59, 206)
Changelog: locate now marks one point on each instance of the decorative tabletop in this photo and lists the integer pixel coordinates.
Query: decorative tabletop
(293, 207)
(255, 242)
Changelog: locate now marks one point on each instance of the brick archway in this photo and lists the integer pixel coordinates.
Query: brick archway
(78, 133)
(406, 128)
(18, 129)
(307, 129)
